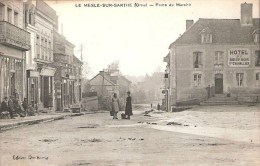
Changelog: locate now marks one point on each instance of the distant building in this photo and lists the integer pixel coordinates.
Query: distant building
(106, 83)
(77, 71)
(14, 41)
(222, 54)
(68, 74)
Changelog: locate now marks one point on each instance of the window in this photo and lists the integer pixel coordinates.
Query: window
(38, 46)
(197, 80)
(2, 12)
(218, 58)
(239, 79)
(197, 62)
(257, 78)
(16, 18)
(9, 15)
(42, 48)
(256, 38)
(45, 49)
(257, 59)
(49, 50)
(206, 38)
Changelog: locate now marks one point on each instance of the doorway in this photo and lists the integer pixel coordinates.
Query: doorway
(218, 83)
(46, 96)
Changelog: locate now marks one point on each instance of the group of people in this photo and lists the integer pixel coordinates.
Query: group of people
(128, 107)
(13, 106)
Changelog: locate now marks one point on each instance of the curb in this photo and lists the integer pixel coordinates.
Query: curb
(36, 121)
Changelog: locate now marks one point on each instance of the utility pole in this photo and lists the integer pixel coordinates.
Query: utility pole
(81, 52)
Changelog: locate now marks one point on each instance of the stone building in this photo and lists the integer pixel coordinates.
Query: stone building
(104, 84)
(215, 56)
(68, 74)
(41, 21)
(14, 41)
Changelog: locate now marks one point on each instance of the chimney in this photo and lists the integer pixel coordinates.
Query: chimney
(189, 24)
(246, 14)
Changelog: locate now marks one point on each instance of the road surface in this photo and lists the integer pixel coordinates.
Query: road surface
(98, 140)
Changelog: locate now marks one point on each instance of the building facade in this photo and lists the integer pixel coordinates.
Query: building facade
(104, 85)
(77, 71)
(215, 56)
(14, 42)
(40, 21)
(68, 74)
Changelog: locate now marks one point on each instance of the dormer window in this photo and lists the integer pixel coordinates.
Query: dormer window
(256, 36)
(206, 36)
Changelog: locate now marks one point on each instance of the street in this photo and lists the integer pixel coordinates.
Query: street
(189, 137)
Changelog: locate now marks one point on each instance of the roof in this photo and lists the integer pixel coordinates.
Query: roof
(105, 76)
(76, 59)
(224, 31)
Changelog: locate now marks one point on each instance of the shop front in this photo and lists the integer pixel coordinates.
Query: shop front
(11, 77)
(46, 82)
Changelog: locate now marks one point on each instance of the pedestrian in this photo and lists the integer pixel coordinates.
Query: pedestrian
(5, 111)
(128, 106)
(115, 106)
(158, 107)
(11, 108)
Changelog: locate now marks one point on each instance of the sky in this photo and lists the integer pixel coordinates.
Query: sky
(137, 37)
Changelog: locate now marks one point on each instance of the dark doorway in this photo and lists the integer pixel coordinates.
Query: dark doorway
(46, 92)
(12, 82)
(218, 83)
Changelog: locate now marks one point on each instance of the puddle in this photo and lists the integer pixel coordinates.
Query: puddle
(128, 125)
(48, 140)
(92, 140)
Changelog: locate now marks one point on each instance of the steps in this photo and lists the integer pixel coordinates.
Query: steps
(220, 100)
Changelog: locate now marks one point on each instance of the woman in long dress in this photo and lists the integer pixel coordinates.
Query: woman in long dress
(128, 107)
(115, 105)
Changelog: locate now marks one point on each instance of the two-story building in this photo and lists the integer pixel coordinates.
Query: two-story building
(14, 41)
(219, 53)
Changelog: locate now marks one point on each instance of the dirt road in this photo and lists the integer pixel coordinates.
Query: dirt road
(97, 139)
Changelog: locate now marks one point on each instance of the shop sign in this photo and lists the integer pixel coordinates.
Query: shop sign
(32, 73)
(239, 57)
(47, 72)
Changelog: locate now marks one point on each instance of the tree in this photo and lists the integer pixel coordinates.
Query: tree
(85, 70)
(114, 66)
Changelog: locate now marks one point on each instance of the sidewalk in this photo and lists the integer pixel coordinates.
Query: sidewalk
(6, 124)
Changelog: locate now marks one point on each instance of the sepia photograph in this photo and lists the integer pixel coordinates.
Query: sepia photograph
(129, 83)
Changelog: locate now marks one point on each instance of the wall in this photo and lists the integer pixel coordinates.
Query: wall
(185, 71)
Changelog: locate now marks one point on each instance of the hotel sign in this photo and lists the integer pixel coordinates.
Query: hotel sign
(239, 57)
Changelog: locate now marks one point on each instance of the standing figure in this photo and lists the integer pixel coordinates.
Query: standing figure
(115, 105)
(128, 107)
